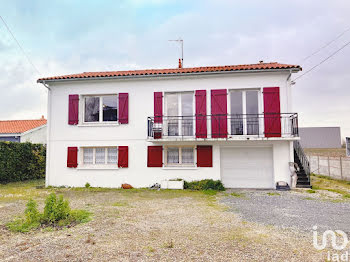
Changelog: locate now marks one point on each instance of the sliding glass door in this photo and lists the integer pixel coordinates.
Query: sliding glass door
(236, 113)
(244, 115)
(252, 111)
(180, 116)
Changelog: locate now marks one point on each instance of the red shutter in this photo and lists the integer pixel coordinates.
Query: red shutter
(272, 116)
(219, 113)
(73, 110)
(72, 157)
(123, 156)
(158, 107)
(155, 156)
(204, 156)
(201, 112)
(158, 112)
(123, 108)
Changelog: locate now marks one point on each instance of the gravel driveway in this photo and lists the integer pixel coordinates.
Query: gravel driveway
(289, 209)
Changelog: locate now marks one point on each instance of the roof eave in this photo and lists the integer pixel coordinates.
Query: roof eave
(293, 70)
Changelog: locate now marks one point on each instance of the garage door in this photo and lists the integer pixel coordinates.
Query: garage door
(247, 167)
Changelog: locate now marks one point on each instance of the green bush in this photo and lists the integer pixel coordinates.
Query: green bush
(57, 213)
(56, 209)
(21, 161)
(206, 184)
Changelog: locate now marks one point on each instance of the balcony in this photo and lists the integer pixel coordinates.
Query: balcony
(218, 127)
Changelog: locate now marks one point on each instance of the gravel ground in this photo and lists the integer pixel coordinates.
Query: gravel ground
(290, 209)
(145, 225)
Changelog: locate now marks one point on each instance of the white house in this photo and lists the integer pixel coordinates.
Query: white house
(233, 123)
(33, 131)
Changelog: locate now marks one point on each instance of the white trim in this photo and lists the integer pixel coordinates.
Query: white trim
(97, 168)
(229, 138)
(48, 139)
(107, 123)
(180, 168)
(244, 111)
(100, 122)
(179, 111)
(176, 75)
(180, 164)
(14, 134)
(81, 164)
(34, 129)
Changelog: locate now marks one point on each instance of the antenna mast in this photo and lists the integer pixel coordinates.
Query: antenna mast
(181, 42)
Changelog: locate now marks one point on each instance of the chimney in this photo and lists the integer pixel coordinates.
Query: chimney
(42, 117)
(180, 64)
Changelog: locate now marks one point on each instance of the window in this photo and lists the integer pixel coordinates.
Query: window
(101, 108)
(179, 110)
(244, 112)
(176, 156)
(100, 156)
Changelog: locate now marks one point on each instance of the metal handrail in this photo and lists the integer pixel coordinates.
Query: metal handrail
(223, 125)
(302, 157)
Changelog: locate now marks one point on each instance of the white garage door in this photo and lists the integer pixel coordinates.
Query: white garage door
(247, 167)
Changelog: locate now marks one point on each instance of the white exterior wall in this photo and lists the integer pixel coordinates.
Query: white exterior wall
(61, 135)
(36, 136)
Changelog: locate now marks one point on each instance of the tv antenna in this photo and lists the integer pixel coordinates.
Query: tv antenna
(181, 42)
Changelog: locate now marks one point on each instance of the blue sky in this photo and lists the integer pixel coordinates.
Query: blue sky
(65, 36)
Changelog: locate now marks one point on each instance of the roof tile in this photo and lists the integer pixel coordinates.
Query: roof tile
(260, 66)
(20, 126)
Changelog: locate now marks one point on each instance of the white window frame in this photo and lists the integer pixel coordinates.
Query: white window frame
(101, 110)
(244, 111)
(94, 165)
(180, 164)
(179, 109)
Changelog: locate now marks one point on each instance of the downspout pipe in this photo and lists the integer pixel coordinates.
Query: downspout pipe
(47, 182)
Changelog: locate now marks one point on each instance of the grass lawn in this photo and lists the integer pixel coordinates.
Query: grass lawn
(146, 225)
(323, 183)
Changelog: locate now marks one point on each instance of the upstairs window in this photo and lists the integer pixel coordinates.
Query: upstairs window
(101, 108)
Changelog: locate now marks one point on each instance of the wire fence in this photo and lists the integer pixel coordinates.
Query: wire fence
(334, 167)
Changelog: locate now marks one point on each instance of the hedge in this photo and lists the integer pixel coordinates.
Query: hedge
(21, 161)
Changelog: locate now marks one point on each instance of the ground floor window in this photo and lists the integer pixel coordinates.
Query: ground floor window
(179, 156)
(100, 156)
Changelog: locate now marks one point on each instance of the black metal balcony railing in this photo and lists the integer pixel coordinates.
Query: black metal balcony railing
(222, 126)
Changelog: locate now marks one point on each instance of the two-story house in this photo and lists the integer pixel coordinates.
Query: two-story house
(233, 123)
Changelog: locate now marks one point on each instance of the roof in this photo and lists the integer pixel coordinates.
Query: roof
(20, 126)
(175, 71)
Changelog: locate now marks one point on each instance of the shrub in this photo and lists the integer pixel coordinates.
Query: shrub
(21, 161)
(32, 214)
(57, 213)
(56, 209)
(205, 184)
(87, 185)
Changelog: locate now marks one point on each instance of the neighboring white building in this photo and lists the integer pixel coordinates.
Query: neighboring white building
(232, 123)
(33, 131)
